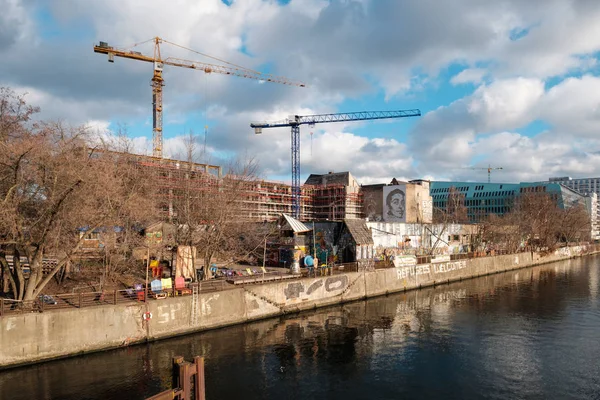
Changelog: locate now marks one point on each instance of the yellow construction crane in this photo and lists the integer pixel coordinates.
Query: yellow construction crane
(158, 81)
(489, 170)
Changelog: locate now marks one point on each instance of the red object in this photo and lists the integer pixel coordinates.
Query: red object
(180, 286)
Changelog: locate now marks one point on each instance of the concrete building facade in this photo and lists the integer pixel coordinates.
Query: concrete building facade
(484, 199)
(589, 187)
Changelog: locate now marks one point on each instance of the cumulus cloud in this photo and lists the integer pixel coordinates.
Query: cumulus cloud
(486, 125)
(573, 106)
(469, 75)
(344, 50)
(505, 103)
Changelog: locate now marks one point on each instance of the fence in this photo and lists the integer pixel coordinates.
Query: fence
(89, 299)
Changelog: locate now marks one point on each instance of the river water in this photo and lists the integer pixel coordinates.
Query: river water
(526, 334)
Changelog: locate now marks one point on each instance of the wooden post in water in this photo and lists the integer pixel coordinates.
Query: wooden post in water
(199, 384)
(176, 382)
(182, 381)
(185, 372)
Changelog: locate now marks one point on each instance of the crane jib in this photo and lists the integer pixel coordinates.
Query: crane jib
(294, 121)
(340, 117)
(158, 80)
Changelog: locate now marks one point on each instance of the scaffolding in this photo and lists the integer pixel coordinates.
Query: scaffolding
(334, 202)
(261, 200)
(174, 179)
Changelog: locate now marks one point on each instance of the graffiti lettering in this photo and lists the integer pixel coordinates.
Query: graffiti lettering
(424, 269)
(206, 309)
(167, 313)
(314, 286)
(449, 267)
(336, 283)
(407, 272)
(293, 290)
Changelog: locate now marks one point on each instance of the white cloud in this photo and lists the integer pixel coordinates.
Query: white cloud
(469, 75)
(573, 106)
(483, 129)
(343, 50)
(505, 104)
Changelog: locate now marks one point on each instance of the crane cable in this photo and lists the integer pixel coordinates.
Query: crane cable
(193, 51)
(214, 58)
(135, 44)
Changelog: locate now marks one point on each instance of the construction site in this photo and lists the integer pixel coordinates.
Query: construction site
(332, 196)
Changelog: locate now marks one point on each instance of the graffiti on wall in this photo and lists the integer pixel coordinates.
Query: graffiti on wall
(412, 270)
(330, 242)
(297, 290)
(427, 207)
(405, 272)
(285, 257)
(167, 313)
(373, 204)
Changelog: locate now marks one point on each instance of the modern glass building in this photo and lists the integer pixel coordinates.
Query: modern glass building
(589, 187)
(483, 199)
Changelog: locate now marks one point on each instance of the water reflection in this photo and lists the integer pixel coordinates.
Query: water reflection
(521, 334)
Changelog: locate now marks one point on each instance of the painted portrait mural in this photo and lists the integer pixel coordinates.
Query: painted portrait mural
(373, 205)
(394, 203)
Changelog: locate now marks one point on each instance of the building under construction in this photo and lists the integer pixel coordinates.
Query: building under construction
(331, 196)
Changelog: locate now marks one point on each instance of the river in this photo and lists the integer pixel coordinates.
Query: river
(525, 334)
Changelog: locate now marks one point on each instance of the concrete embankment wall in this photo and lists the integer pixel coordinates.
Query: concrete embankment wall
(32, 337)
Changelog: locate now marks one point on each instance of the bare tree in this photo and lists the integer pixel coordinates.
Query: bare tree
(54, 190)
(455, 211)
(210, 214)
(574, 224)
(536, 219)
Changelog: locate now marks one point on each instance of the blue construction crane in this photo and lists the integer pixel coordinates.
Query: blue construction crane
(294, 121)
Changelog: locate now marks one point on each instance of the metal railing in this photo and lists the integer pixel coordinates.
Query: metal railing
(107, 297)
(114, 297)
(259, 277)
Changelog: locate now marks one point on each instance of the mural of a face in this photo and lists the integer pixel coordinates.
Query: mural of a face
(373, 206)
(395, 203)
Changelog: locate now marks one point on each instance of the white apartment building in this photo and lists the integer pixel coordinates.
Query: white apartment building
(590, 187)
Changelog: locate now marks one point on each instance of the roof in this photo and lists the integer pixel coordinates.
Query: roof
(397, 182)
(294, 225)
(331, 178)
(359, 230)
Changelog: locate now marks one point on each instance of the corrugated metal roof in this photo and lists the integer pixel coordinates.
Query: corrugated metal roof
(360, 231)
(294, 224)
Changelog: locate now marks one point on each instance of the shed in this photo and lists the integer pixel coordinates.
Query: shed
(356, 241)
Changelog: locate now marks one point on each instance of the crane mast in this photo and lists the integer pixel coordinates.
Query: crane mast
(157, 81)
(157, 104)
(294, 121)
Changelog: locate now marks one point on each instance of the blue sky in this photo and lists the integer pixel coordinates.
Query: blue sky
(508, 83)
